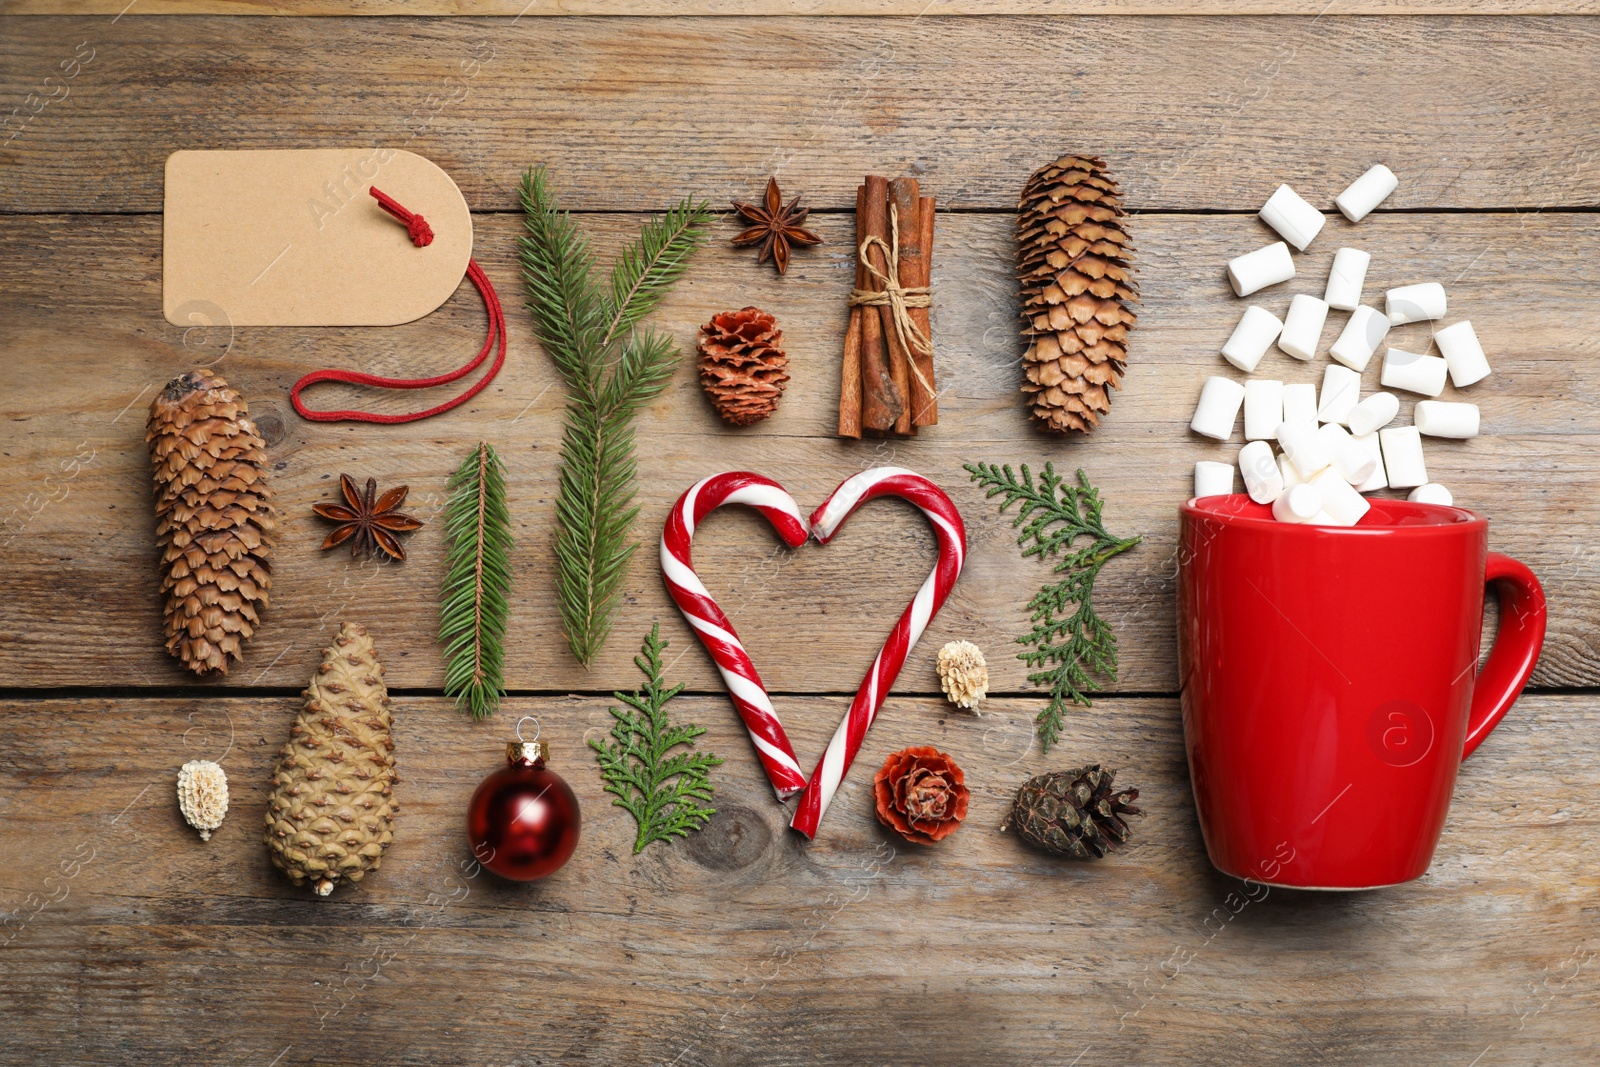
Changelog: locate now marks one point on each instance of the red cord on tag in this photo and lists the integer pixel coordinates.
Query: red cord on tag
(421, 236)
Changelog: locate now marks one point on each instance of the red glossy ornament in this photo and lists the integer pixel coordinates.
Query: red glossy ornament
(523, 821)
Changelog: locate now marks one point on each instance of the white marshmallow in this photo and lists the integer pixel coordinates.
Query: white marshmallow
(1459, 346)
(1439, 419)
(1402, 456)
(1261, 268)
(1291, 476)
(1341, 391)
(1212, 478)
(1302, 326)
(1413, 372)
(1373, 414)
(1214, 416)
(1366, 192)
(1300, 503)
(1349, 459)
(1345, 280)
(1295, 220)
(1432, 493)
(1378, 479)
(1262, 479)
(1341, 504)
(1263, 408)
(1299, 403)
(1414, 303)
(1251, 338)
(1360, 337)
(1305, 449)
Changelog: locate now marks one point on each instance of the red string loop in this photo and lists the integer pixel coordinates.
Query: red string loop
(421, 236)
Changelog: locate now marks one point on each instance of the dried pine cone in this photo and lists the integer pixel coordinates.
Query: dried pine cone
(1074, 262)
(921, 794)
(1073, 813)
(742, 368)
(202, 795)
(963, 674)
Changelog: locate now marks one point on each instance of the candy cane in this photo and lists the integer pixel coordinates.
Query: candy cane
(952, 538)
(712, 627)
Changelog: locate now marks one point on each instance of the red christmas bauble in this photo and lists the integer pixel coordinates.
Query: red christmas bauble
(523, 821)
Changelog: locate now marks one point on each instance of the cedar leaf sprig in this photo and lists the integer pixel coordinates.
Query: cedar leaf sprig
(475, 600)
(662, 792)
(1070, 645)
(611, 367)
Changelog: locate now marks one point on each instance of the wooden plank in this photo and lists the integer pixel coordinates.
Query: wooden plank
(1471, 113)
(770, 8)
(83, 347)
(745, 945)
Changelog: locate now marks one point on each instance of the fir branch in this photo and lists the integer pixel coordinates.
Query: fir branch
(612, 368)
(475, 599)
(1070, 646)
(662, 792)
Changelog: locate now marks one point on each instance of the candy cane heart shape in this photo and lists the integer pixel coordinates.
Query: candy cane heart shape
(952, 537)
(709, 623)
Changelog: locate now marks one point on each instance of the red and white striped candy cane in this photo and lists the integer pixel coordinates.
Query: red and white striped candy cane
(952, 537)
(712, 627)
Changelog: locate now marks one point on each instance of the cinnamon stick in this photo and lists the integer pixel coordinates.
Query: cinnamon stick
(903, 197)
(881, 404)
(850, 373)
(924, 404)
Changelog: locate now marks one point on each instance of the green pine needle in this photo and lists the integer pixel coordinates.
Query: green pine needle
(612, 368)
(662, 792)
(1070, 645)
(475, 600)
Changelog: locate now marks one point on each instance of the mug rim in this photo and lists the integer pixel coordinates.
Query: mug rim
(1438, 519)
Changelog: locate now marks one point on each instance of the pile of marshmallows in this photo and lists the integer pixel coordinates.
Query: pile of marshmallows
(1324, 469)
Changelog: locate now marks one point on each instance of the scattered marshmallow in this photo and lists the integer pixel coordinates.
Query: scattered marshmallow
(1432, 493)
(1263, 408)
(1308, 452)
(1300, 503)
(1256, 270)
(1341, 504)
(1437, 418)
(1414, 303)
(1366, 192)
(1462, 352)
(1291, 476)
(1341, 391)
(1345, 280)
(1295, 220)
(1373, 414)
(1302, 326)
(1360, 338)
(1402, 456)
(1220, 400)
(1354, 463)
(1413, 372)
(1299, 403)
(1251, 338)
(1212, 478)
(1378, 479)
(1262, 479)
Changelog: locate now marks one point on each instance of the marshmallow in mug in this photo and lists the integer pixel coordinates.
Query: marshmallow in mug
(1432, 493)
(1298, 503)
(1263, 408)
(1214, 415)
(1256, 331)
(1436, 418)
(1302, 326)
(1373, 414)
(1341, 504)
(1459, 346)
(1379, 478)
(1360, 337)
(1366, 192)
(1345, 280)
(1341, 391)
(1291, 476)
(1402, 456)
(1413, 372)
(1295, 220)
(1354, 464)
(1262, 479)
(1308, 452)
(1212, 478)
(1415, 303)
(1263, 267)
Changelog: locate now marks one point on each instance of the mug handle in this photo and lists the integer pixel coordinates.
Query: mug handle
(1515, 651)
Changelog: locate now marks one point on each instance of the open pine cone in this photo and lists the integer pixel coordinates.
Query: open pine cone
(1075, 813)
(921, 794)
(742, 368)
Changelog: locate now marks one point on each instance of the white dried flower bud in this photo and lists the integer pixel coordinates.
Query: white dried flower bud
(202, 795)
(963, 674)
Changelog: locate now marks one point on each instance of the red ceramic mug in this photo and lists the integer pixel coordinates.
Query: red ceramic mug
(1329, 682)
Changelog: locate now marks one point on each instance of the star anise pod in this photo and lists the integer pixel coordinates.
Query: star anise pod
(370, 522)
(776, 227)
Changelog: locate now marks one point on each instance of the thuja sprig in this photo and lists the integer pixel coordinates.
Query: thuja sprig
(1070, 646)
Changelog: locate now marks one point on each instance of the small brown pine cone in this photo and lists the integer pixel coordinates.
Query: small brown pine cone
(742, 367)
(921, 794)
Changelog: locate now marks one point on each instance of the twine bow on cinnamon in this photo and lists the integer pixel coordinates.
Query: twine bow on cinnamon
(900, 299)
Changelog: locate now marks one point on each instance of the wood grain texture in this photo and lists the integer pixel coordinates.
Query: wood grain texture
(744, 945)
(83, 347)
(1196, 113)
(763, 8)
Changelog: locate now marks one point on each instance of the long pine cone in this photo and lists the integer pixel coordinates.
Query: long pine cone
(1074, 263)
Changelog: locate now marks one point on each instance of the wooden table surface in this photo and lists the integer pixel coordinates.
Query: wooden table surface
(129, 941)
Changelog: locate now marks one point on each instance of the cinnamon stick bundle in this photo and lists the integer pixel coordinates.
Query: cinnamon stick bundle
(886, 384)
